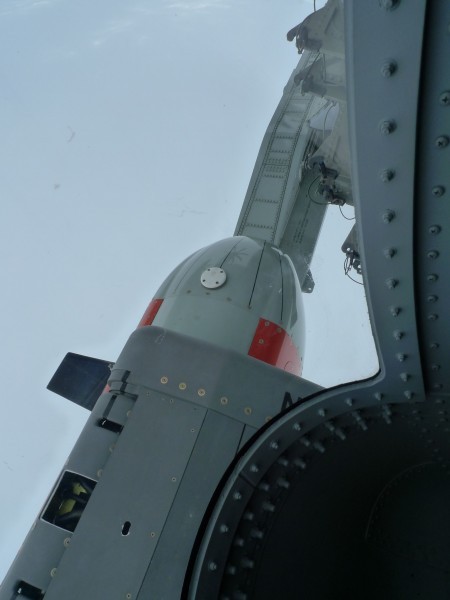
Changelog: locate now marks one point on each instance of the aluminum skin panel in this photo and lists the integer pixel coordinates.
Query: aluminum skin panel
(350, 489)
(238, 386)
(138, 485)
(216, 446)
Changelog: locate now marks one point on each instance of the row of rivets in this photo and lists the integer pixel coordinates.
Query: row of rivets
(386, 127)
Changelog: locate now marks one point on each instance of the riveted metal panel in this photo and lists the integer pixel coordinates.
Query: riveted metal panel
(34, 564)
(316, 476)
(215, 254)
(351, 488)
(134, 488)
(383, 172)
(238, 386)
(432, 248)
(92, 449)
(216, 446)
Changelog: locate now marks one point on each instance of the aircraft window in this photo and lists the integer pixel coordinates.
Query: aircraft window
(69, 501)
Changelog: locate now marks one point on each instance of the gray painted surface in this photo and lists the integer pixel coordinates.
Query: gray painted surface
(238, 386)
(345, 494)
(261, 282)
(216, 446)
(349, 491)
(138, 485)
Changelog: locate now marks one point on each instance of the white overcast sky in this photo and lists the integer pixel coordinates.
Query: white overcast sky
(129, 131)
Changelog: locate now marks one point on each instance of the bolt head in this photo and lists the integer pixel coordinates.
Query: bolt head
(388, 68)
(391, 283)
(388, 216)
(389, 252)
(387, 127)
(387, 175)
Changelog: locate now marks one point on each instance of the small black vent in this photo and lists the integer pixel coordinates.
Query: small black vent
(27, 591)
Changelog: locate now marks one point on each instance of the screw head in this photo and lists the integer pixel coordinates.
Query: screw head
(432, 254)
(441, 141)
(390, 252)
(438, 190)
(432, 277)
(434, 229)
(444, 98)
(432, 298)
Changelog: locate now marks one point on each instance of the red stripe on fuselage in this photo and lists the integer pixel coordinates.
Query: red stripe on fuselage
(150, 313)
(273, 345)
